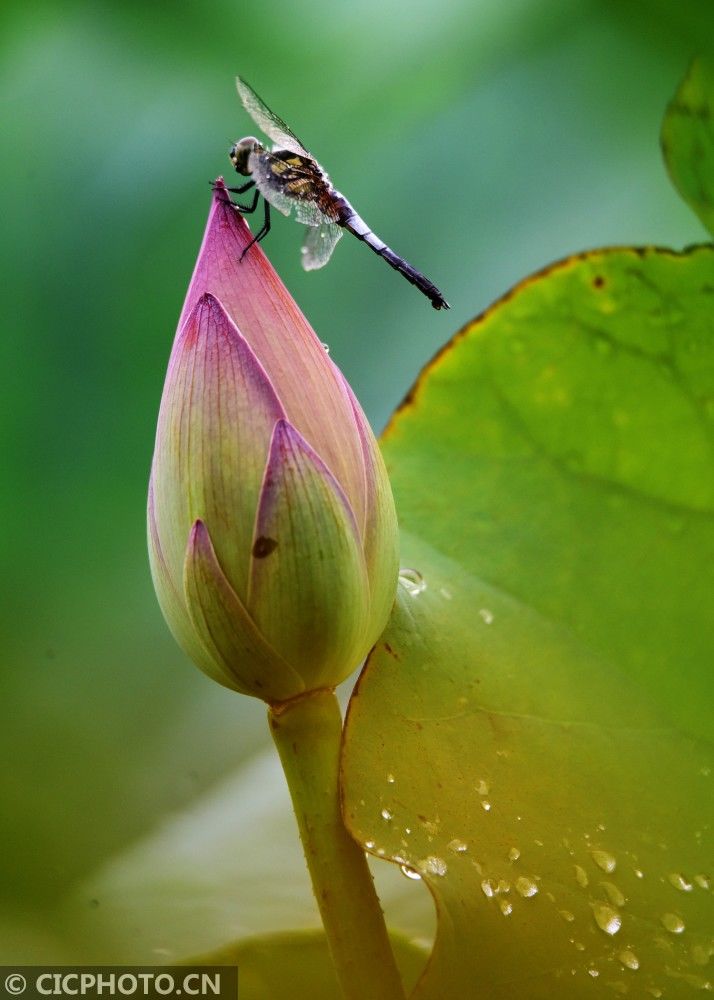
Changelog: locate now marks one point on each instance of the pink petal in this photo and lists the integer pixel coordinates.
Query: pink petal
(215, 426)
(304, 377)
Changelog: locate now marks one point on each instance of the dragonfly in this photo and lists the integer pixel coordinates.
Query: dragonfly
(289, 178)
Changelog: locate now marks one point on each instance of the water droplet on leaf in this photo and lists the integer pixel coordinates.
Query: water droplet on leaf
(412, 581)
(615, 896)
(581, 876)
(457, 846)
(433, 865)
(607, 918)
(679, 882)
(525, 886)
(672, 922)
(604, 860)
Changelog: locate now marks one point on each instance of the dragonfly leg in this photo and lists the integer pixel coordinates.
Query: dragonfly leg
(243, 188)
(235, 190)
(245, 209)
(262, 233)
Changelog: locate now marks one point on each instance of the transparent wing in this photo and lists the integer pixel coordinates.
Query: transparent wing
(288, 189)
(264, 118)
(319, 243)
(265, 181)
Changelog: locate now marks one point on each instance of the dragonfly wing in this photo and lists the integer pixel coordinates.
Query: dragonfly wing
(319, 243)
(268, 184)
(293, 182)
(309, 214)
(266, 120)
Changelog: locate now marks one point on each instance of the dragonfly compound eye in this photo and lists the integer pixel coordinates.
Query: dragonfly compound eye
(239, 153)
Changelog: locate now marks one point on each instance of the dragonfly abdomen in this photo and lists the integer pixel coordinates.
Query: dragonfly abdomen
(355, 224)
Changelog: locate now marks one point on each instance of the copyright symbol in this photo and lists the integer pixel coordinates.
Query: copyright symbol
(15, 984)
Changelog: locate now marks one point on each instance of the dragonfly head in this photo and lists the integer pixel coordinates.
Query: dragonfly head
(239, 153)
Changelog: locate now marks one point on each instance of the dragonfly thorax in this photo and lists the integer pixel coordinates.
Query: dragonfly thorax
(240, 153)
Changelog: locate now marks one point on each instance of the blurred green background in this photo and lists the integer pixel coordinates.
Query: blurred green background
(481, 139)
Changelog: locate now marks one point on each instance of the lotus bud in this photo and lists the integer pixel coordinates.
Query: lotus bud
(272, 530)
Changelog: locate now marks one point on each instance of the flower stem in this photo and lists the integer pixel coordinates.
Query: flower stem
(307, 732)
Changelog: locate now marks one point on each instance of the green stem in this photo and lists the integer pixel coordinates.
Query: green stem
(307, 732)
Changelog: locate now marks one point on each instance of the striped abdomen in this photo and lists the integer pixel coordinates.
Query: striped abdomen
(348, 218)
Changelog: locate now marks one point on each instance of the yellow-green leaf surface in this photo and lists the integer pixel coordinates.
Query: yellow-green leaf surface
(688, 139)
(532, 733)
(297, 966)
